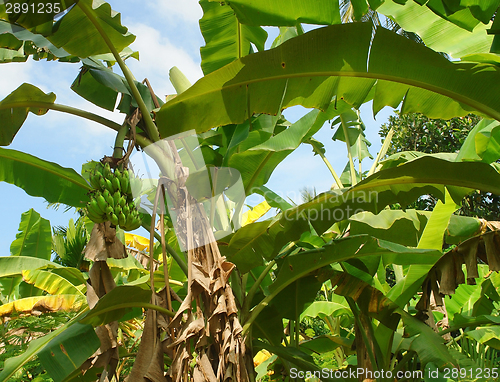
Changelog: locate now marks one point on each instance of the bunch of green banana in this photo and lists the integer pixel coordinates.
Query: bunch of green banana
(112, 199)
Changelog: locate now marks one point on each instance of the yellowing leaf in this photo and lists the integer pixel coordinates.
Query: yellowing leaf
(135, 241)
(66, 302)
(50, 282)
(255, 213)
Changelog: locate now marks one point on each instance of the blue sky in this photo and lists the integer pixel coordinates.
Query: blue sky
(167, 35)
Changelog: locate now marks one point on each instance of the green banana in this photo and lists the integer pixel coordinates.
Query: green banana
(125, 183)
(109, 210)
(122, 219)
(106, 171)
(93, 206)
(113, 199)
(126, 209)
(99, 168)
(116, 198)
(94, 180)
(129, 221)
(94, 216)
(137, 222)
(114, 220)
(122, 201)
(115, 182)
(101, 202)
(109, 185)
(90, 212)
(117, 210)
(102, 183)
(109, 198)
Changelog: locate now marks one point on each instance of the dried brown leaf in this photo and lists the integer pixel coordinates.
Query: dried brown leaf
(146, 351)
(492, 247)
(103, 244)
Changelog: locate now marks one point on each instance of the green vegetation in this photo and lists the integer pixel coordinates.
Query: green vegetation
(340, 281)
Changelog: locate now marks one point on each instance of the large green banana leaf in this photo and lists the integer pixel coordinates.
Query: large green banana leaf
(116, 303)
(342, 61)
(101, 86)
(406, 227)
(14, 265)
(50, 282)
(482, 143)
(74, 31)
(15, 107)
(13, 364)
(464, 13)
(23, 43)
(306, 265)
(482, 10)
(436, 32)
(286, 12)
(34, 238)
(66, 352)
(423, 340)
(49, 180)
(402, 184)
(225, 37)
(299, 265)
(18, 43)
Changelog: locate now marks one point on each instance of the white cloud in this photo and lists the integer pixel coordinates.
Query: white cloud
(188, 10)
(157, 55)
(13, 75)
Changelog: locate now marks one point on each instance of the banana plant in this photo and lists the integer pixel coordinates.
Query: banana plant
(236, 109)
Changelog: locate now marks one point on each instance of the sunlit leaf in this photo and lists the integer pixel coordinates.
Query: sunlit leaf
(50, 282)
(34, 238)
(13, 364)
(117, 303)
(15, 265)
(286, 12)
(225, 37)
(14, 109)
(37, 177)
(65, 353)
(302, 72)
(255, 213)
(62, 302)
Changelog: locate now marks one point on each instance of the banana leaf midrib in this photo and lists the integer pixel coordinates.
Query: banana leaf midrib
(423, 85)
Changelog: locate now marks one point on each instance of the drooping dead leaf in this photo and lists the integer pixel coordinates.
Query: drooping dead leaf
(492, 247)
(203, 370)
(103, 244)
(207, 320)
(447, 274)
(146, 351)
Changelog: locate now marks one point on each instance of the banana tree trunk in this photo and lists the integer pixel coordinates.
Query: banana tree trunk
(363, 343)
(207, 322)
